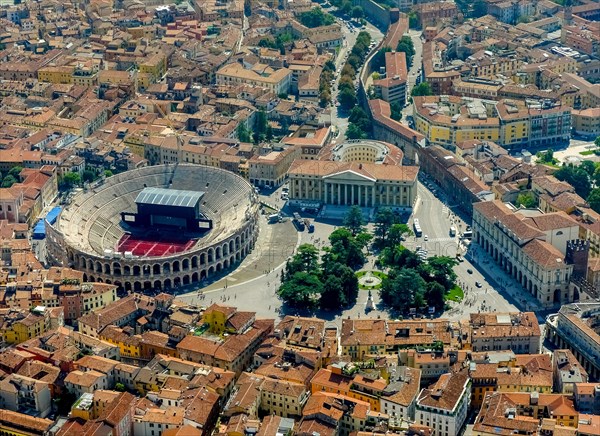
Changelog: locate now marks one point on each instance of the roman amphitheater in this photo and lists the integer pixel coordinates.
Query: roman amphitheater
(91, 236)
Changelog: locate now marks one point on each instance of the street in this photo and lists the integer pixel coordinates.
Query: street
(413, 71)
(339, 118)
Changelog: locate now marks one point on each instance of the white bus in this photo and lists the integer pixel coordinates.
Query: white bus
(417, 227)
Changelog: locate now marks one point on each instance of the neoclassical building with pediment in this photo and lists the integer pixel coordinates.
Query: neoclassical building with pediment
(362, 177)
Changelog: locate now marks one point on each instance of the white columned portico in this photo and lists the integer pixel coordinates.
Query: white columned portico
(373, 195)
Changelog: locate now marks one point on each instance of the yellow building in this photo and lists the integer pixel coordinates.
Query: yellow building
(523, 373)
(91, 405)
(217, 316)
(446, 120)
(21, 326)
(129, 345)
(155, 66)
(135, 143)
(57, 75)
(278, 81)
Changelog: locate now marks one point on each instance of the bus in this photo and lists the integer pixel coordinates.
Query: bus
(417, 227)
(452, 231)
(468, 234)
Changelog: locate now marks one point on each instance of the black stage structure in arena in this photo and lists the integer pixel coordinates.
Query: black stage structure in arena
(170, 209)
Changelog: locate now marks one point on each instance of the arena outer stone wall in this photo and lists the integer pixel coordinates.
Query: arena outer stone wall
(87, 231)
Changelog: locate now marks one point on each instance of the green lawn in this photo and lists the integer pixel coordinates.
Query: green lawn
(455, 294)
(587, 152)
(378, 274)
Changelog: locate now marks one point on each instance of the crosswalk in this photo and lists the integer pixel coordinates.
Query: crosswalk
(447, 239)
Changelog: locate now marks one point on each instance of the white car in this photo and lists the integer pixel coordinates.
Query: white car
(426, 238)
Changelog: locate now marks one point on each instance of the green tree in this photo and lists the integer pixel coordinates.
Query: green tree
(332, 296)
(267, 42)
(120, 387)
(347, 98)
(406, 45)
(526, 199)
(440, 269)
(359, 117)
(379, 58)
(342, 291)
(597, 142)
(70, 180)
(589, 167)
(524, 19)
(301, 290)
(324, 98)
(354, 220)
(8, 181)
(108, 173)
(355, 61)
(346, 8)
(88, 176)
(305, 260)
(346, 248)
(396, 111)
(434, 295)
(403, 289)
(413, 20)
(355, 132)
(397, 233)
(346, 82)
(357, 12)
(329, 66)
(547, 157)
(15, 171)
(576, 177)
(399, 257)
(316, 18)
(384, 218)
(594, 199)
(242, 133)
(422, 89)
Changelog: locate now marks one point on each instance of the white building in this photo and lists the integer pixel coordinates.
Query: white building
(443, 406)
(530, 246)
(400, 395)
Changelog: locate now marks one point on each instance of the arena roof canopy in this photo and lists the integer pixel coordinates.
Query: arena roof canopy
(169, 197)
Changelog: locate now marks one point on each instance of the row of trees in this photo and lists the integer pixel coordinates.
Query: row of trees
(347, 91)
(327, 75)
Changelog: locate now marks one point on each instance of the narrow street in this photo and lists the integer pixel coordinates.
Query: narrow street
(413, 71)
(339, 118)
